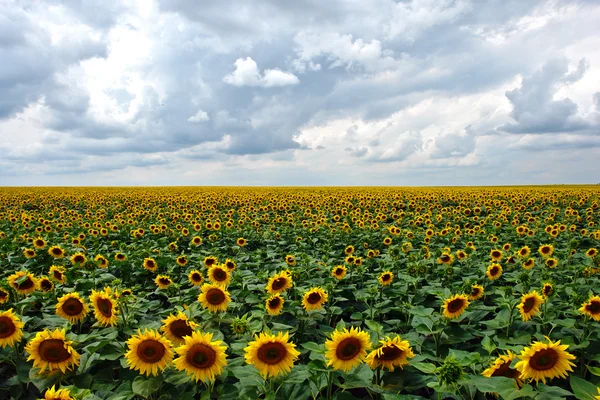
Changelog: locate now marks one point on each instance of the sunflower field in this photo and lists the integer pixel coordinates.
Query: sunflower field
(300, 293)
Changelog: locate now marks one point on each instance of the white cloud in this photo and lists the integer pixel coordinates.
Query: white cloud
(247, 74)
(200, 116)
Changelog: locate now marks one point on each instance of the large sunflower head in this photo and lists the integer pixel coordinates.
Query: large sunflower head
(150, 264)
(501, 367)
(11, 328)
(56, 252)
(105, 307)
(195, 277)
(71, 307)
(176, 327)
(390, 354)
(543, 361)
(271, 355)
(386, 278)
(339, 272)
(214, 297)
(530, 305)
(494, 271)
(201, 357)
(279, 283)
(346, 349)
(476, 292)
(546, 250)
(496, 255)
(50, 350)
(592, 308)
(163, 281)
(60, 394)
(314, 299)
(219, 275)
(78, 259)
(23, 282)
(274, 304)
(524, 252)
(57, 273)
(455, 306)
(149, 352)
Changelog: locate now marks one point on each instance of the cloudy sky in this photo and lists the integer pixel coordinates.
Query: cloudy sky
(305, 92)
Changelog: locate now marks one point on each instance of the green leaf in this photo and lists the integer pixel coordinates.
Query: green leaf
(594, 370)
(551, 392)
(146, 386)
(312, 346)
(427, 368)
(488, 344)
(374, 326)
(582, 389)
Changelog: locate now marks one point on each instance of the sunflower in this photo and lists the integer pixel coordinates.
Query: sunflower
(149, 352)
(105, 308)
(346, 349)
(219, 275)
(195, 277)
(214, 297)
(181, 261)
(57, 273)
(274, 304)
(29, 253)
(23, 282)
(150, 264)
(56, 252)
(120, 257)
(101, 261)
(524, 252)
(593, 252)
(210, 261)
(386, 278)
(50, 350)
(39, 243)
(592, 308)
(476, 292)
(290, 260)
(391, 354)
(45, 284)
(339, 272)
(4, 296)
(314, 299)
(11, 326)
(349, 250)
(546, 250)
(494, 271)
(387, 241)
(530, 263)
(547, 289)
(530, 305)
(350, 259)
(71, 307)
(78, 259)
(196, 240)
(455, 306)
(501, 367)
(496, 255)
(545, 360)
(60, 394)
(241, 242)
(551, 262)
(230, 264)
(461, 255)
(279, 283)
(176, 327)
(271, 355)
(163, 281)
(445, 258)
(201, 357)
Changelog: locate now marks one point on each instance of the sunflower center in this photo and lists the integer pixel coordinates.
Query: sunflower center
(229, 265)
(164, 281)
(593, 307)
(78, 259)
(348, 349)
(7, 327)
(57, 275)
(196, 277)
(215, 296)
(386, 277)
(544, 360)
(56, 252)
(3, 294)
(545, 250)
(53, 350)
(272, 353)
(274, 303)
(27, 284)
(210, 262)
(475, 292)
(313, 298)
(445, 258)
(201, 356)
(389, 353)
(339, 271)
(46, 285)
(105, 307)
(495, 254)
(506, 370)
(151, 351)
(220, 275)
(528, 304)
(72, 307)
(180, 328)
(279, 283)
(494, 271)
(455, 305)
(150, 264)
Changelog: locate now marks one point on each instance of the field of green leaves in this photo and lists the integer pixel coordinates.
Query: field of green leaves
(300, 293)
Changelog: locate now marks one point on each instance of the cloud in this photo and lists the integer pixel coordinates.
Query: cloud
(200, 116)
(247, 74)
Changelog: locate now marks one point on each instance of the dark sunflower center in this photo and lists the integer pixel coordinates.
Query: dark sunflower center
(495, 254)
(215, 296)
(279, 283)
(543, 360)
(494, 271)
(7, 327)
(78, 259)
(506, 370)
(348, 349)
(180, 328)
(120, 256)
(58, 275)
(528, 304)
(272, 353)
(274, 303)
(210, 262)
(445, 258)
(475, 292)
(27, 284)
(3, 294)
(456, 305)
(339, 271)
(219, 275)
(53, 350)
(386, 277)
(545, 250)
(313, 298)
(164, 281)
(390, 353)
(150, 351)
(229, 265)
(46, 285)
(593, 307)
(201, 356)
(150, 264)
(547, 290)
(105, 307)
(56, 251)
(72, 307)
(182, 260)
(196, 277)
(523, 252)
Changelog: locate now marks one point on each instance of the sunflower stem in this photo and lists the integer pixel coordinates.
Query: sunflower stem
(329, 385)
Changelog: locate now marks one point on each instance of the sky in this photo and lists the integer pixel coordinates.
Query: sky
(305, 92)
